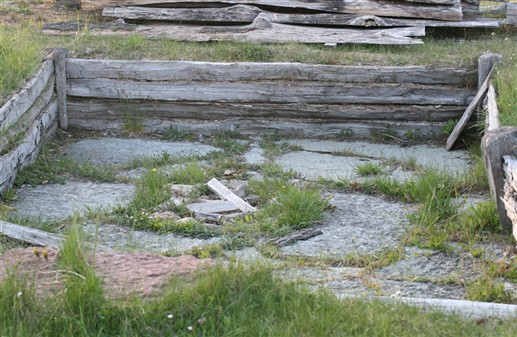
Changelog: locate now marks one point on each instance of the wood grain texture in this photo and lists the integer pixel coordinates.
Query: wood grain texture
(270, 92)
(373, 7)
(254, 71)
(225, 193)
(468, 113)
(492, 116)
(509, 196)
(25, 121)
(115, 109)
(262, 30)
(59, 55)
(246, 14)
(23, 100)
(310, 128)
(31, 235)
(12, 162)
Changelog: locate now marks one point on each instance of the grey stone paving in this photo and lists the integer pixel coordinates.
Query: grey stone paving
(360, 224)
(57, 202)
(428, 156)
(116, 151)
(126, 239)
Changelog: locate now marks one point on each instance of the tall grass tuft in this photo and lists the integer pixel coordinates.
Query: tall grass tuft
(20, 55)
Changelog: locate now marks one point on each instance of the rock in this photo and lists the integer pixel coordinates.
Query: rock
(180, 190)
(165, 215)
(236, 186)
(122, 273)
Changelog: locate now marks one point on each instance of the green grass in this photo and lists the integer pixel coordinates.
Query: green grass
(505, 80)
(368, 169)
(224, 301)
(20, 56)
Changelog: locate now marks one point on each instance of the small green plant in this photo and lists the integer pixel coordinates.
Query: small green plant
(296, 207)
(447, 128)
(368, 169)
(149, 193)
(486, 289)
(133, 124)
(189, 174)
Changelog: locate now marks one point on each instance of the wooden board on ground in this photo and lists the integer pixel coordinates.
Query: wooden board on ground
(468, 113)
(303, 234)
(242, 14)
(31, 235)
(450, 11)
(223, 192)
(261, 30)
(212, 206)
(509, 197)
(311, 128)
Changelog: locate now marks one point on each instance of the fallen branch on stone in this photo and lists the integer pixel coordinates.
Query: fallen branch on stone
(303, 234)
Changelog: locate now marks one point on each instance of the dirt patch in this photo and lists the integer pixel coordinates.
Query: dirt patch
(122, 273)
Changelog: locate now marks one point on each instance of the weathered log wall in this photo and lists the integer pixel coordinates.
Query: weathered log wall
(254, 98)
(26, 121)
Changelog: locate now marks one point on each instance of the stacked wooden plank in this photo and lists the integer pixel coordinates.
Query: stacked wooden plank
(319, 21)
(256, 98)
(26, 121)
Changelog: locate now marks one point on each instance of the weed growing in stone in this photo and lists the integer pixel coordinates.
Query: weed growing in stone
(369, 169)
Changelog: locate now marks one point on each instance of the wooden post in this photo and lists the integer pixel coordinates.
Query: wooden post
(60, 68)
(485, 63)
(494, 145)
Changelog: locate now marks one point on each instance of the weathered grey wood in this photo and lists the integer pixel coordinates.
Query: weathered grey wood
(486, 63)
(303, 234)
(23, 100)
(26, 120)
(246, 14)
(223, 192)
(261, 30)
(467, 309)
(271, 92)
(468, 113)
(112, 109)
(212, 206)
(310, 128)
(31, 235)
(12, 162)
(60, 69)
(511, 14)
(255, 71)
(509, 197)
(494, 145)
(492, 116)
(372, 7)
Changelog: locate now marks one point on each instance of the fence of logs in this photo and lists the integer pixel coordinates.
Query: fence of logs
(30, 117)
(255, 98)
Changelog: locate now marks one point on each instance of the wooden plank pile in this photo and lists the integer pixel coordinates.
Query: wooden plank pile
(256, 98)
(318, 21)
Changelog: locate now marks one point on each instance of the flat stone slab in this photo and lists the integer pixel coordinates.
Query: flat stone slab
(127, 239)
(360, 224)
(393, 288)
(255, 155)
(434, 267)
(313, 166)
(352, 281)
(453, 162)
(57, 202)
(116, 151)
